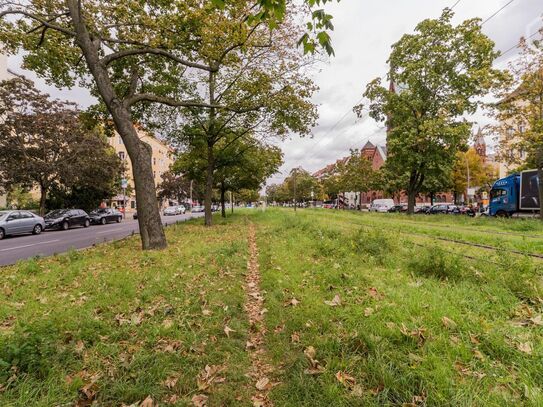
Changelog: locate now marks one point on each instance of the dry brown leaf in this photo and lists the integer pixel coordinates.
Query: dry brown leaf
(478, 354)
(170, 382)
(148, 402)
(315, 367)
(292, 302)
(345, 379)
(206, 312)
(199, 400)
(262, 384)
(525, 347)
(372, 291)
(228, 330)
(449, 323)
(80, 346)
(167, 323)
(336, 301)
(368, 312)
(295, 337)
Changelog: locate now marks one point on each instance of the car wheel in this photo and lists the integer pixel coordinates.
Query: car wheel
(65, 225)
(37, 230)
(87, 223)
(2, 234)
(119, 219)
(103, 221)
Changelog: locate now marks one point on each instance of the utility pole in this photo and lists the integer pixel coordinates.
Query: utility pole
(295, 204)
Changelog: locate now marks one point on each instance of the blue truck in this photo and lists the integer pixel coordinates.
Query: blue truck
(516, 193)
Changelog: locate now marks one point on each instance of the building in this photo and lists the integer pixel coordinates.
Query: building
(162, 160)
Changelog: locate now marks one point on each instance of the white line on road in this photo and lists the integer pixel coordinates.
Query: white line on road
(28, 245)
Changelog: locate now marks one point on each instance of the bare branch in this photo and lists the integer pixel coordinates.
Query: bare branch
(44, 23)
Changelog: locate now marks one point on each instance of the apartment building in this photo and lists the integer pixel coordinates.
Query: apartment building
(162, 160)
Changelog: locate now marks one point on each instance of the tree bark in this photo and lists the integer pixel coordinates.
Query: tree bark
(151, 231)
(43, 197)
(209, 186)
(223, 204)
(411, 198)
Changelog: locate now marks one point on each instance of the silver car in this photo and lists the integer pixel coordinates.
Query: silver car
(18, 222)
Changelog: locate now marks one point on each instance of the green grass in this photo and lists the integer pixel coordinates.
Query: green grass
(418, 323)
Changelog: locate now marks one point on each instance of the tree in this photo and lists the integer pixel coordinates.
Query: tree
(519, 112)
(356, 174)
(300, 185)
(260, 86)
(246, 168)
(48, 144)
(470, 164)
(174, 186)
(438, 75)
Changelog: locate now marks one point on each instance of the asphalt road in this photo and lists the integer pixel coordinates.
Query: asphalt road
(14, 248)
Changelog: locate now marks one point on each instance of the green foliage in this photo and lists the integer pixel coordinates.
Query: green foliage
(438, 74)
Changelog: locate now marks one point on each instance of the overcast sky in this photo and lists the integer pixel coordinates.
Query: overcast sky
(364, 32)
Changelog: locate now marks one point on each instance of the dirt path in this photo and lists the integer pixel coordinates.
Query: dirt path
(260, 369)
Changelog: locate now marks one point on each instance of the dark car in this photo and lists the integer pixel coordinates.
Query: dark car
(422, 210)
(105, 215)
(398, 209)
(442, 209)
(66, 218)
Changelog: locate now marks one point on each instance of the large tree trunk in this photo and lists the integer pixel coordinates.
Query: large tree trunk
(209, 186)
(151, 231)
(43, 197)
(223, 204)
(411, 201)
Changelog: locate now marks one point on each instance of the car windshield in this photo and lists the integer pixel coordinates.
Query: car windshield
(57, 213)
(101, 210)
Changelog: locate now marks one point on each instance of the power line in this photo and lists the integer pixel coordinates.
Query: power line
(455, 4)
(517, 45)
(496, 13)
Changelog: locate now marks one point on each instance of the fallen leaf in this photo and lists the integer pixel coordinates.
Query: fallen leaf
(449, 323)
(262, 384)
(315, 367)
(525, 347)
(335, 301)
(249, 345)
(227, 330)
(478, 354)
(206, 312)
(293, 302)
(148, 402)
(345, 379)
(199, 400)
(170, 382)
(167, 323)
(368, 312)
(80, 346)
(374, 293)
(295, 337)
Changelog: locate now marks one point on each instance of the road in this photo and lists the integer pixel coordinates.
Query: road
(14, 248)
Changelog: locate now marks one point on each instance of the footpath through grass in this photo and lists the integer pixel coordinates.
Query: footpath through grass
(356, 315)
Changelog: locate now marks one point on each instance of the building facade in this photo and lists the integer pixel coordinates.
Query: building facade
(162, 160)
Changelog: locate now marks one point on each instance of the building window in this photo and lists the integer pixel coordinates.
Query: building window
(121, 155)
(133, 204)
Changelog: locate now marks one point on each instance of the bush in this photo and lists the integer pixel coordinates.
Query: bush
(435, 262)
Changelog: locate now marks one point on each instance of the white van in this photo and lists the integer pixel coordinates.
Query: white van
(381, 205)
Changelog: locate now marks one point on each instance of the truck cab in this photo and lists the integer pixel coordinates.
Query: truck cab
(504, 196)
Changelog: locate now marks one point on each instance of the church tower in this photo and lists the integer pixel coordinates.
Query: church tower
(480, 144)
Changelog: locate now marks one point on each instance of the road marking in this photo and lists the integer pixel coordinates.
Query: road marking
(29, 245)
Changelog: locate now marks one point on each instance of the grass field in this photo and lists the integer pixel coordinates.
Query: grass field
(360, 309)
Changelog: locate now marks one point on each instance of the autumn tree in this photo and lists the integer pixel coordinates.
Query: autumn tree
(471, 166)
(356, 174)
(174, 186)
(48, 144)
(438, 75)
(519, 112)
(300, 185)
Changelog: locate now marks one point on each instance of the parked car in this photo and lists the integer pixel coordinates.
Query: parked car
(198, 208)
(19, 222)
(442, 209)
(381, 205)
(422, 210)
(171, 211)
(328, 205)
(398, 208)
(66, 218)
(105, 215)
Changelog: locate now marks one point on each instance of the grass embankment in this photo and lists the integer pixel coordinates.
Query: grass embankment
(113, 324)
(356, 316)
(409, 325)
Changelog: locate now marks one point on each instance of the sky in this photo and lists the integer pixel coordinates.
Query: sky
(364, 32)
